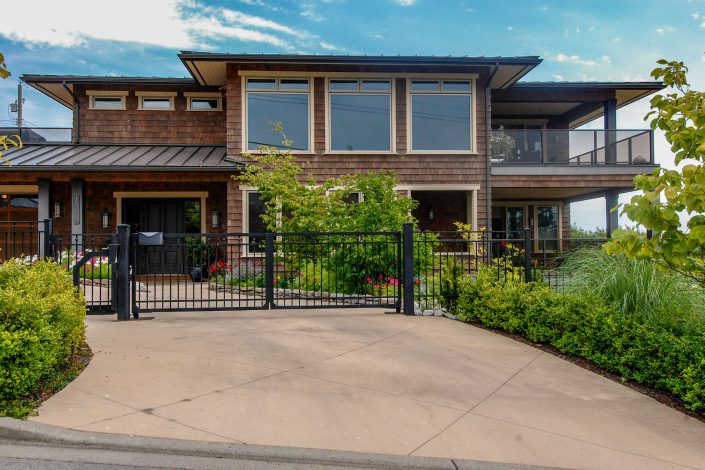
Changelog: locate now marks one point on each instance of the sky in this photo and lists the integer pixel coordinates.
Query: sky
(579, 40)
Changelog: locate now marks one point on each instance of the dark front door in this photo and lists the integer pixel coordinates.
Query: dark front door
(159, 215)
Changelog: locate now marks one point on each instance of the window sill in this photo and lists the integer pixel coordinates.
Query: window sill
(361, 152)
(254, 152)
(442, 152)
(147, 109)
(106, 109)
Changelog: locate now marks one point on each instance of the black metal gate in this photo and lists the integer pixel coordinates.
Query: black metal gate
(230, 271)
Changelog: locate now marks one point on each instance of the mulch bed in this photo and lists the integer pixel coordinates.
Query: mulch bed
(667, 398)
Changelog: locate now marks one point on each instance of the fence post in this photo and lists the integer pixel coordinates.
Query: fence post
(269, 270)
(46, 243)
(408, 250)
(528, 248)
(123, 272)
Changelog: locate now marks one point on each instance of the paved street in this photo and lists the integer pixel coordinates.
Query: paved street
(362, 380)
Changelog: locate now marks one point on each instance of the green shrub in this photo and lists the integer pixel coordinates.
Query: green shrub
(41, 324)
(583, 324)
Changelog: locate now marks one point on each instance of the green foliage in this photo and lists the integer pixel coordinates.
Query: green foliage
(583, 324)
(4, 73)
(41, 324)
(449, 283)
(580, 233)
(680, 114)
(199, 252)
(634, 287)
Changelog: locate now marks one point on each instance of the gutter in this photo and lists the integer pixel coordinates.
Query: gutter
(76, 113)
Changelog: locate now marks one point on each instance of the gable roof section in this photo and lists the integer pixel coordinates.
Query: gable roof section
(209, 68)
(60, 87)
(83, 157)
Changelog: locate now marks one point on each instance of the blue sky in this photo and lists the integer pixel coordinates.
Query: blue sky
(579, 40)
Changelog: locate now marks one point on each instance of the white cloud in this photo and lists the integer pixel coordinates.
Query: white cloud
(576, 59)
(405, 3)
(510, 28)
(606, 59)
(558, 78)
(309, 10)
(702, 25)
(695, 16)
(328, 46)
(665, 29)
(165, 23)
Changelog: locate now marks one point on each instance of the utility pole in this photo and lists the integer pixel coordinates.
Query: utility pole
(19, 105)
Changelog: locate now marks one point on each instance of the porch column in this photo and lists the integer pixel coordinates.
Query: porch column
(611, 218)
(610, 111)
(44, 207)
(77, 213)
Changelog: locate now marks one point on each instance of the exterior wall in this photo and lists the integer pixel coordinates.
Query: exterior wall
(137, 126)
(410, 168)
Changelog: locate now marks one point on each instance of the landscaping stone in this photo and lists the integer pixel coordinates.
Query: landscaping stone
(428, 313)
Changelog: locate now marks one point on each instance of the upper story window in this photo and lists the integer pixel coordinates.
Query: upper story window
(203, 101)
(159, 101)
(441, 115)
(360, 115)
(103, 100)
(278, 100)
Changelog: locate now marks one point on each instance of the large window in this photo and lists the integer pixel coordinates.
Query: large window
(441, 115)
(360, 115)
(284, 101)
(509, 222)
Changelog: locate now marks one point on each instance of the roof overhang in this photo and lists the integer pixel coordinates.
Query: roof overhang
(575, 102)
(61, 87)
(211, 68)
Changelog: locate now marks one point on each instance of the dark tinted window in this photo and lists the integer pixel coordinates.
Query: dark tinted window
(255, 209)
(360, 122)
(24, 202)
(441, 122)
(204, 103)
(290, 109)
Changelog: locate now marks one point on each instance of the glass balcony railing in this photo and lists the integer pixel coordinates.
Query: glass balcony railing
(39, 135)
(571, 147)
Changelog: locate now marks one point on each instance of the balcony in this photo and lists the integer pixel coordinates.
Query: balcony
(571, 148)
(39, 135)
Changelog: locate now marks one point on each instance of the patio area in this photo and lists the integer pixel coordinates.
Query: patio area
(363, 380)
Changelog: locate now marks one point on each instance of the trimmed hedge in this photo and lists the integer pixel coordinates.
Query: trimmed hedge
(647, 352)
(41, 324)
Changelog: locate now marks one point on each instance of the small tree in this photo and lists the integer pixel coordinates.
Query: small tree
(7, 141)
(680, 114)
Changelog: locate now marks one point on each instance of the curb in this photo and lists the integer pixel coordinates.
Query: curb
(33, 433)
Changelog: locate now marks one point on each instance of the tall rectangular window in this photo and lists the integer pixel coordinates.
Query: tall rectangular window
(441, 115)
(255, 224)
(281, 100)
(547, 218)
(360, 114)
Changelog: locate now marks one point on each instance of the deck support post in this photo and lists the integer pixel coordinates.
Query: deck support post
(611, 217)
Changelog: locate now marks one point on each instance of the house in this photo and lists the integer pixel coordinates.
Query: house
(467, 138)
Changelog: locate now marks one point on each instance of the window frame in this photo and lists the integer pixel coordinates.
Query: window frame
(392, 112)
(141, 96)
(110, 94)
(531, 218)
(473, 111)
(277, 79)
(198, 95)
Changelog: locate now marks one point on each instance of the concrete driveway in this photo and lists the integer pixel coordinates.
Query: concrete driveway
(362, 380)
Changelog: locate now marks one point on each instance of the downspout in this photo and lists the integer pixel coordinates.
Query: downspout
(76, 114)
(488, 136)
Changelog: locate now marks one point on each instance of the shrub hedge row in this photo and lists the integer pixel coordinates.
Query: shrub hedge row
(640, 350)
(41, 324)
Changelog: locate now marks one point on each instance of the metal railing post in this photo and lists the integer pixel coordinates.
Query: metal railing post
(123, 272)
(527, 255)
(408, 250)
(46, 243)
(269, 270)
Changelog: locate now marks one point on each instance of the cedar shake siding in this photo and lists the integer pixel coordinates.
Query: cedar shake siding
(136, 126)
(410, 168)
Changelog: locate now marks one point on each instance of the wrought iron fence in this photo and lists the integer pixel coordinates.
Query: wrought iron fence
(227, 271)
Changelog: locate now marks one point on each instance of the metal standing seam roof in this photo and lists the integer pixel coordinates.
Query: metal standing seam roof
(84, 157)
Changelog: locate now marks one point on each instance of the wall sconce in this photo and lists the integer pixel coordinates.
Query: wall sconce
(57, 209)
(215, 219)
(105, 219)
(430, 213)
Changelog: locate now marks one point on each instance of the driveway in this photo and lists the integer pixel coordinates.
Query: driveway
(363, 380)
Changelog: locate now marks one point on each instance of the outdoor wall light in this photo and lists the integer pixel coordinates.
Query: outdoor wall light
(105, 219)
(430, 213)
(57, 209)
(215, 219)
